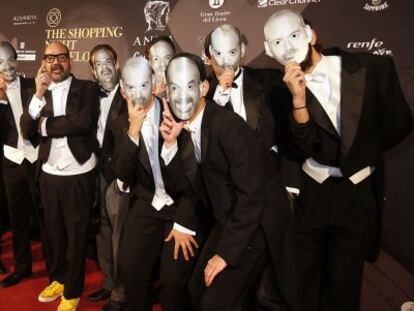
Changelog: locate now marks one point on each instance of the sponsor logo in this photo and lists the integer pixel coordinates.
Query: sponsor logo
(24, 54)
(267, 3)
(376, 5)
(30, 19)
(53, 17)
(216, 4)
(156, 14)
(374, 46)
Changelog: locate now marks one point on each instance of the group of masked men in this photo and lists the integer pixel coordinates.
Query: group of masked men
(241, 189)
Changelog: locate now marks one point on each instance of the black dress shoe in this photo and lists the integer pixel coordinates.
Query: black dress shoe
(14, 278)
(3, 269)
(112, 305)
(99, 295)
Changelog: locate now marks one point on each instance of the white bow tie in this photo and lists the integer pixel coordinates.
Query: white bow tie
(190, 128)
(316, 77)
(57, 86)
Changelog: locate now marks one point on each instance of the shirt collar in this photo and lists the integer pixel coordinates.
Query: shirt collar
(14, 84)
(195, 125)
(60, 85)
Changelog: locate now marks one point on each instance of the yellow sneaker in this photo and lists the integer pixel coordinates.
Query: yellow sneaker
(51, 293)
(68, 304)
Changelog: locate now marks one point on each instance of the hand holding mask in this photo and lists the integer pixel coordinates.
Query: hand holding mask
(43, 80)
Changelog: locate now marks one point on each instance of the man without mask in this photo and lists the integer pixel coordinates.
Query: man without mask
(159, 53)
(68, 150)
(18, 161)
(104, 64)
(354, 100)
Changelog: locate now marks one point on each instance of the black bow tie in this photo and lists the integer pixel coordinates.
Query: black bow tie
(234, 84)
(103, 93)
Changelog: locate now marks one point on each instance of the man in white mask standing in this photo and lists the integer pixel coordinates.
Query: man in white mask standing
(159, 223)
(63, 114)
(18, 162)
(345, 110)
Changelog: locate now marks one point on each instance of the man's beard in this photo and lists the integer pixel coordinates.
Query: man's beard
(307, 62)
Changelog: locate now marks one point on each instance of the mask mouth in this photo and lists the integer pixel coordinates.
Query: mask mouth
(140, 101)
(107, 72)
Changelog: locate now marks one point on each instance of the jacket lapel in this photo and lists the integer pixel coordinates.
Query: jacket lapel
(205, 123)
(352, 99)
(73, 97)
(319, 115)
(251, 97)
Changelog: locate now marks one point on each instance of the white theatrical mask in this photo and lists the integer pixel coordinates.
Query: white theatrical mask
(136, 81)
(160, 55)
(287, 37)
(105, 69)
(184, 87)
(226, 48)
(8, 64)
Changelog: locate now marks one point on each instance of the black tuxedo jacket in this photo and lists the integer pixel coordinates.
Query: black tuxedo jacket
(263, 90)
(131, 164)
(374, 118)
(8, 126)
(118, 107)
(78, 125)
(234, 184)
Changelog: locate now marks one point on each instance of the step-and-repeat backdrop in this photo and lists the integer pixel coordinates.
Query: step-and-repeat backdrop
(382, 27)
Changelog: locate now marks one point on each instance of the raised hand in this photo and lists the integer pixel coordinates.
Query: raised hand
(42, 81)
(226, 78)
(170, 129)
(136, 117)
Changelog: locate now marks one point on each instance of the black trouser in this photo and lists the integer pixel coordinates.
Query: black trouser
(142, 243)
(111, 218)
(231, 286)
(19, 187)
(336, 225)
(67, 202)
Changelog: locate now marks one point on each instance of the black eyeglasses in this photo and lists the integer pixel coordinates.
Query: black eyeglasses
(62, 58)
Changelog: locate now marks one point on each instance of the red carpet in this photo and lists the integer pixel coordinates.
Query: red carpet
(23, 297)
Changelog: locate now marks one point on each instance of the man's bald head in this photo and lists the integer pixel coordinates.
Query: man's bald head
(227, 47)
(287, 37)
(136, 81)
(57, 61)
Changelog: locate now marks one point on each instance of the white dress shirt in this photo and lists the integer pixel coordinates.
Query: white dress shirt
(234, 95)
(150, 135)
(105, 107)
(25, 149)
(325, 84)
(61, 161)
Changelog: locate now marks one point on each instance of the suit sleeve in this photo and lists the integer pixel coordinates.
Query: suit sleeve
(84, 121)
(125, 156)
(396, 115)
(247, 179)
(29, 127)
